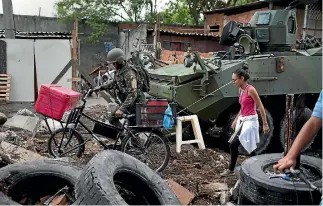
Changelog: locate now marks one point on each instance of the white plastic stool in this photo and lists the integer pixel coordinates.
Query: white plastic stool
(197, 132)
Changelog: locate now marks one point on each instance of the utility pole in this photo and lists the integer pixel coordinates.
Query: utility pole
(9, 25)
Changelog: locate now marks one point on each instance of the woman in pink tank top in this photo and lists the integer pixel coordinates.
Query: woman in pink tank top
(249, 100)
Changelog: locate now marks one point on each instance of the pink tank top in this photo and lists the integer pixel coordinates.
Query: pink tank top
(248, 105)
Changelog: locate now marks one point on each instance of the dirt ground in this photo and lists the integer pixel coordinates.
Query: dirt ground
(190, 168)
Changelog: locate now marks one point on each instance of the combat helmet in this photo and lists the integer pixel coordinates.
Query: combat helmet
(116, 55)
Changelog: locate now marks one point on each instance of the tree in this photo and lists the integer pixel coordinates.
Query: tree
(188, 11)
(239, 2)
(197, 7)
(177, 12)
(98, 12)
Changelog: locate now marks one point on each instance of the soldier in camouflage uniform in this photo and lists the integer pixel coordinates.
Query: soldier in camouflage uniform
(126, 81)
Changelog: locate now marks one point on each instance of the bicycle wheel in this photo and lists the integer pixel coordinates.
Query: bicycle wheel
(61, 141)
(138, 145)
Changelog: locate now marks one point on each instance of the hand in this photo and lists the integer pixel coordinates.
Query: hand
(285, 163)
(234, 123)
(265, 128)
(97, 88)
(119, 113)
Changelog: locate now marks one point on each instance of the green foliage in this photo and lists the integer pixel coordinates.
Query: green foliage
(98, 12)
(189, 12)
(239, 2)
(197, 7)
(177, 12)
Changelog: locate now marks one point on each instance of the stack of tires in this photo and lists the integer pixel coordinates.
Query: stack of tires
(256, 188)
(98, 183)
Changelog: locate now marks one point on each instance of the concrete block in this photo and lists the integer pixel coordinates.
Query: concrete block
(23, 122)
(14, 154)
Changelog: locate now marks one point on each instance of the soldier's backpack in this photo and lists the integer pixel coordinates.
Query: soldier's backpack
(144, 78)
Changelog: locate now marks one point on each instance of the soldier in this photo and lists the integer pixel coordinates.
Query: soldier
(127, 82)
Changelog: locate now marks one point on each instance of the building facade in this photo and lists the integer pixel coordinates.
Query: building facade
(309, 18)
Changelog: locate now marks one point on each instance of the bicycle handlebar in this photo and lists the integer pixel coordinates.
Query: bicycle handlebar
(87, 94)
(128, 116)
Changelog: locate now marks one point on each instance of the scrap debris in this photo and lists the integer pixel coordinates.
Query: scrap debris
(195, 173)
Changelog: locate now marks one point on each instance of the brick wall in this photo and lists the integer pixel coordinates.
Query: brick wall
(188, 29)
(300, 22)
(198, 43)
(221, 19)
(215, 19)
(243, 17)
(166, 56)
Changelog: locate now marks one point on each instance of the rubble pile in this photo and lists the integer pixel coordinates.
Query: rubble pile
(195, 173)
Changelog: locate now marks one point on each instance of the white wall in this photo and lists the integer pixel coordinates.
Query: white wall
(20, 64)
(51, 57)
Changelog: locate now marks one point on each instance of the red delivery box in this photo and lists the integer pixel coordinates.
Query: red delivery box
(54, 100)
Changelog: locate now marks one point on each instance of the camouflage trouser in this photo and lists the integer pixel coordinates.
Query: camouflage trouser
(109, 115)
(113, 107)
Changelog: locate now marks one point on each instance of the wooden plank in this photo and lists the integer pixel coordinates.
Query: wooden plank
(5, 90)
(4, 95)
(76, 79)
(4, 78)
(35, 78)
(62, 73)
(74, 53)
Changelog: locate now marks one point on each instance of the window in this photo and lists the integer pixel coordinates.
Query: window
(263, 18)
(176, 45)
(214, 28)
(166, 45)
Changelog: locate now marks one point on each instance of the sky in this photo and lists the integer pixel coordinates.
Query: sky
(31, 7)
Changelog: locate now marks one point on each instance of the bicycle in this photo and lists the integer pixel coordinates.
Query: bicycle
(130, 137)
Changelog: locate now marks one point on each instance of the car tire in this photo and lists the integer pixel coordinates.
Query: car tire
(97, 183)
(259, 189)
(16, 174)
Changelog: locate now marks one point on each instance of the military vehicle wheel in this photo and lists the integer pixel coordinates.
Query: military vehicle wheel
(264, 138)
(299, 124)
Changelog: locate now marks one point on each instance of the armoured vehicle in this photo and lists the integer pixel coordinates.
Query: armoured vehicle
(203, 86)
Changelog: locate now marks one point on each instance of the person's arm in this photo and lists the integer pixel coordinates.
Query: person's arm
(254, 95)
(236, 119)
(239, 113)
(131, 81)
(106, 86)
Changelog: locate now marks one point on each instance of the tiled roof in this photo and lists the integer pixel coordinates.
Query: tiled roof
(39, 35)
(185, 33)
